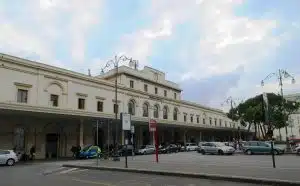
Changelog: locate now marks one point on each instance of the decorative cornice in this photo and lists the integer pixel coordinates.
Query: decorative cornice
(100, 98)
(114, 101)
(56, 78)
(23, 85)
(81, 94)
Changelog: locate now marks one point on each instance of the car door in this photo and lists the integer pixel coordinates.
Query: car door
(3, 156)
(264, 147)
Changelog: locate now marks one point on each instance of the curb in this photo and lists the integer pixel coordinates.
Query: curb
(240, 179)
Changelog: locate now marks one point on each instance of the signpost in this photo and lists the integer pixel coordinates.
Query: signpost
(153, 128)
(126, 126)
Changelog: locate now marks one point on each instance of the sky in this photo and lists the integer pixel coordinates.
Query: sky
(215, 49)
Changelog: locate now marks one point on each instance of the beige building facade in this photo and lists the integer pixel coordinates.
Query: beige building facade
(54, 109)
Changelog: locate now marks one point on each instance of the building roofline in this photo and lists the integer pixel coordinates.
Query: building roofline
(61, 71)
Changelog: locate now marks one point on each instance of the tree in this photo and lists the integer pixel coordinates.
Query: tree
(252, 111)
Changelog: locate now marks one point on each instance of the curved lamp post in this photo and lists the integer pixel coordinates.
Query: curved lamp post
(281, 75)
(230, 101)
(115, 64)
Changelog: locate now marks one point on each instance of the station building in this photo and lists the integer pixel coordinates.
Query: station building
(54, 109)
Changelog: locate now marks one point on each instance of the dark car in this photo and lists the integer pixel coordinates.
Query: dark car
(122, 150)
(169, 149)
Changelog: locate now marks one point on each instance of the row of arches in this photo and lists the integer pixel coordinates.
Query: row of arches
(156, 110)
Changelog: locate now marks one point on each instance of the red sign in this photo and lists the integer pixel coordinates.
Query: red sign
(152, 125)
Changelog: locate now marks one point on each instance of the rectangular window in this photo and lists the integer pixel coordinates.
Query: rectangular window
(220, 122)
(198, 119)
(184, 118)
(54, 100)
(175, 95)
(203, 121)
(156, 91)
(215, 122)
(131, 84)
(81, 103)
(192, 119)
(145, 87)
(116, 108)
(210, 121)
(165, 93)
(22, 96)
(100, 106)
(225, 123)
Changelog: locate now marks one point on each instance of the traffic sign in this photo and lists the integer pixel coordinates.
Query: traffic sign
(132, 129)
(126, 121)
(152, 125)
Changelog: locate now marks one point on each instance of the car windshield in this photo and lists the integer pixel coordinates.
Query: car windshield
(143, 146)
(86, 148)
(219, 144)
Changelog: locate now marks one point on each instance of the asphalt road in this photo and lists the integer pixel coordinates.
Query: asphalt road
(39, 174)
(254, 166)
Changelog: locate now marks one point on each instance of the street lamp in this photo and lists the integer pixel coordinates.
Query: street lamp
(232, 103)
(115, 64)
(281, 75)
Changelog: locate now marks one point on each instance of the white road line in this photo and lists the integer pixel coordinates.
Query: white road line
(69, 170)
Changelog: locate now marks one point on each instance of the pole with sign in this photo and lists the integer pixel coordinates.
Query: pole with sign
(153, 128)
(126, 126)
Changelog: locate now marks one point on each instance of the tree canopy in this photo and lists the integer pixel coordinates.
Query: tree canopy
(253, 111)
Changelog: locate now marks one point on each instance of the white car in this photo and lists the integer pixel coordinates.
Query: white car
(215, 148)
(190, 147)
(297, 149)
(8, 157)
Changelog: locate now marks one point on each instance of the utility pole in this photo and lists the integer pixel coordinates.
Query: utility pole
(281, 75)
(115, 63)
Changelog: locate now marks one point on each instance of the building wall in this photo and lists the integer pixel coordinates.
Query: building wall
(41, 81)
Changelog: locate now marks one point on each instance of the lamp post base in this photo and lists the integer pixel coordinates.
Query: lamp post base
(288, 147)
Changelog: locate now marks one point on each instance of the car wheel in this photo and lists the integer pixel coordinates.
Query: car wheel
(202, 152)
(220, 152)
(249, 152)
(10, 162)
(275, 152)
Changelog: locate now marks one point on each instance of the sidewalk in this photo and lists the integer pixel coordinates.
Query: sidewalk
(225, 171)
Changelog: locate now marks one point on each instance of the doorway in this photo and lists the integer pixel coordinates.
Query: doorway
(52, 145)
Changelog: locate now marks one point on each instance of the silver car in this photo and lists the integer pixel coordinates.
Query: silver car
(216, 148)
(8, 157)
(147, 149)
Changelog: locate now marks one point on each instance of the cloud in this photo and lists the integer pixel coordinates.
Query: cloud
(41, 24)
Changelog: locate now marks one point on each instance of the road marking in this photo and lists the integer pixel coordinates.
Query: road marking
(69, 170)
(92, 182)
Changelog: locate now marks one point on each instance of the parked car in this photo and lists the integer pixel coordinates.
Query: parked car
(189, 147)
(8, 157)
(146, 149)
(215, 148)
(169, 149)
(297, 149)
(90, 151)
(123, 150)
(260, 147)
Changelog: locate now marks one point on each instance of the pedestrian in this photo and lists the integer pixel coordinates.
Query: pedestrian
(32, 152)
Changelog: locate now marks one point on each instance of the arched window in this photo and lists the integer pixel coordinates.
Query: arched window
(175, 114)
(156, 111)
(165, 112)
(145, 110)
(131, 107)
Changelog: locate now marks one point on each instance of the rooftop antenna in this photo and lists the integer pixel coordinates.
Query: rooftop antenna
(89, 72)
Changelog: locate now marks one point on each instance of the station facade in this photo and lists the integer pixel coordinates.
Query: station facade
(54, 109)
